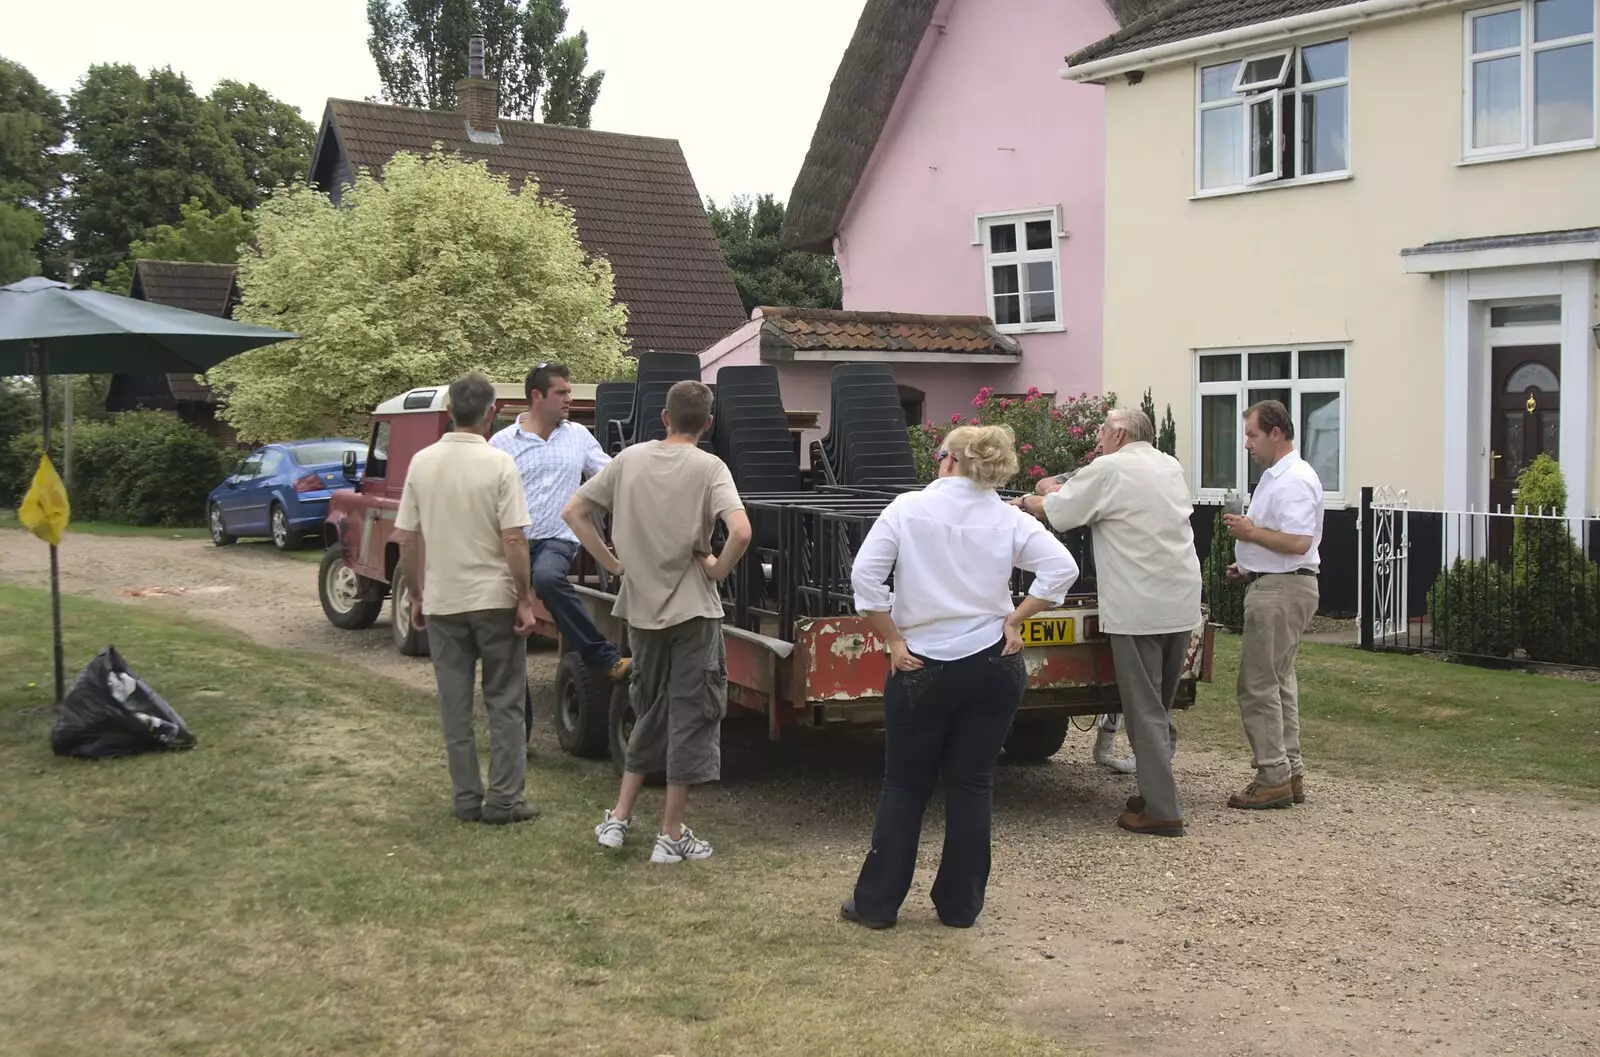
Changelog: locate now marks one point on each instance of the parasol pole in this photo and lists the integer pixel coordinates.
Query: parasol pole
(42, 368)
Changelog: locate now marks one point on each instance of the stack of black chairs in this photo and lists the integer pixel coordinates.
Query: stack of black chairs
(613, 402)
(658, 372)
(752, 436)
(867, 445)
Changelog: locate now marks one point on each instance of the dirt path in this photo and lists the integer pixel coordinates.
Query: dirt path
(1373, 920)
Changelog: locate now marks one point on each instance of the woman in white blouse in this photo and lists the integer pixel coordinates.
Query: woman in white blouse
(956, 671)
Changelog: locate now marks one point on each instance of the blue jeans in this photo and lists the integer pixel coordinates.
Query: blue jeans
(551, 560)
(946, 720)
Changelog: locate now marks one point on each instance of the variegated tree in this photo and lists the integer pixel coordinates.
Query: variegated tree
(437, 270)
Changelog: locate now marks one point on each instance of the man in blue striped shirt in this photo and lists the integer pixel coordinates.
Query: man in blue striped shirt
(553, 455)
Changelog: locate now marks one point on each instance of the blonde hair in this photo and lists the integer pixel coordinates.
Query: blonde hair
(986, 454)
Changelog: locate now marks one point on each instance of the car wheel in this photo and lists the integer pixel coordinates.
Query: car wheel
(409, 639)
(349, 600)
(283, 537)
(219, 534)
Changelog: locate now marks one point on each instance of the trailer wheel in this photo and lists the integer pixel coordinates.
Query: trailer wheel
(1032, 740)
(583, 708)
(622, 717)
(341, 591)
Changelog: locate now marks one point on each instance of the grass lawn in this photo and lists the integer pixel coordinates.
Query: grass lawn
(8, 520)
(1396, 716)
(295, 885)
(310, 552)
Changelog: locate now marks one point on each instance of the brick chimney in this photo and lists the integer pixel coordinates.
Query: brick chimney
(477, 97)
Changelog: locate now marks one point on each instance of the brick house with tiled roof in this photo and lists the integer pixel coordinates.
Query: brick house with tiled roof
(197, 287)
(634, 198)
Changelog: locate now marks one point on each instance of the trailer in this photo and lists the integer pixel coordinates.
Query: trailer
(798, 656)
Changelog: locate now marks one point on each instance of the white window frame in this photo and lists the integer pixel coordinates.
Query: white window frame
(1283, 96)
(1021, 218)
(1526, 49)
(1274, 101)
(1297, 386)
(1268, 82)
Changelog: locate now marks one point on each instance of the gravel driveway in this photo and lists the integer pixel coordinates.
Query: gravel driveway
(1373, 920)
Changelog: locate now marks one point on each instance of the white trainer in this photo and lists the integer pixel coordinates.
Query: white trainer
(613, 832)
(687, 846)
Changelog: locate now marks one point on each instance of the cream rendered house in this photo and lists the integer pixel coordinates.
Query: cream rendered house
(1384, 213)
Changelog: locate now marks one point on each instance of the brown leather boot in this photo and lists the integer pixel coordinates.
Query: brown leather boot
(1297, 784)
(1258, 797)
(1135, 803)
(1135, 822)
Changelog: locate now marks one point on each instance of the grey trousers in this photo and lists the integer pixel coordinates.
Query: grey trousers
(1149, 668)
(458, 641)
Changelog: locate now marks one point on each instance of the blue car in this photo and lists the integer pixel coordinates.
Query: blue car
(281, 491)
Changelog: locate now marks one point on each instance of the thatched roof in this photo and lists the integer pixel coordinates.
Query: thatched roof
(863, 92)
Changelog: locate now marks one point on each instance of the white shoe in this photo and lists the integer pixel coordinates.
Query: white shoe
(687, 846)
(1105, 746)
(613, 832)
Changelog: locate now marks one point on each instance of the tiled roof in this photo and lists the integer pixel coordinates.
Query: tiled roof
(191, 285)
(635, 201)
(1186, 19)
(809, 329)
(863, 92)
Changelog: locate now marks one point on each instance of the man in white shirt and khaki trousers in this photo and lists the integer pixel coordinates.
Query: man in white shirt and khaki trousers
(1137, 501)
(1275, 553)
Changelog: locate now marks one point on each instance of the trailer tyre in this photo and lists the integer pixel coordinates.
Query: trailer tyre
(622, 717)
(347, 599)
(583, 708)
(1033, 740)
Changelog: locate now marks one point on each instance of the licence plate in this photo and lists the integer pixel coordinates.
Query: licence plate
(1049, 631)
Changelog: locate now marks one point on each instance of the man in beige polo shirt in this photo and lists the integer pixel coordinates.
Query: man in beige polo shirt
(460, 530)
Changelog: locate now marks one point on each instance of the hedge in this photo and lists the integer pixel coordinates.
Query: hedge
(141, 468)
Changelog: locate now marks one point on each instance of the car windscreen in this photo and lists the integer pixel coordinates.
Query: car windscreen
(331, 451)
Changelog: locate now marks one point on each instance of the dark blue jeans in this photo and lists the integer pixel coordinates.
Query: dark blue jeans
(551, 560)
(948, 719)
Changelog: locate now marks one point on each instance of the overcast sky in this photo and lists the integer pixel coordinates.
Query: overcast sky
(739, 82)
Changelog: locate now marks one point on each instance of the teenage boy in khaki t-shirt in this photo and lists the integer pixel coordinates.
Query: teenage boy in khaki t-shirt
(665, 498)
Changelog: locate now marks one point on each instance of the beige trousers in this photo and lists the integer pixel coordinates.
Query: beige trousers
(1277, 610)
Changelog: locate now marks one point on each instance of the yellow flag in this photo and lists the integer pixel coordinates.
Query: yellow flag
(45, 509)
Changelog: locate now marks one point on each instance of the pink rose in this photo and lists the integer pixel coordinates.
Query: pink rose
(972, 422)
(1033, 391)
(1037, 471)
(928, 425)
(1055, 413)
(1005, 405)
(1027, 447)
(955, 419)
(1076, 431)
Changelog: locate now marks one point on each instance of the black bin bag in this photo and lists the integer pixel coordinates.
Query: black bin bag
(111, 712)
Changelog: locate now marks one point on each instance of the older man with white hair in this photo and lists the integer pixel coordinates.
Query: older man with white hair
(1137, 503)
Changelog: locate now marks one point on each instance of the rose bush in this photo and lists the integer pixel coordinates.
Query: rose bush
(1051, 437)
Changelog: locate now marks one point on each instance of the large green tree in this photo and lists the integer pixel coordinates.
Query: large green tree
(216, 238)
(274, 140)
(147, 145)
(765, 274)
(420, 48)
(32, 130)
(435, 271)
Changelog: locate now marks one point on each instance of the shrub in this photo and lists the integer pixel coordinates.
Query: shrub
(1166, 428)
(1555, 582)
(1051, 438)
(1473, 607)
(141, 468)
(19, 418)
(1223, 596)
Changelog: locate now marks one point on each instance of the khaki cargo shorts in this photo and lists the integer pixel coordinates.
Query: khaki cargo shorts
(679, 687)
